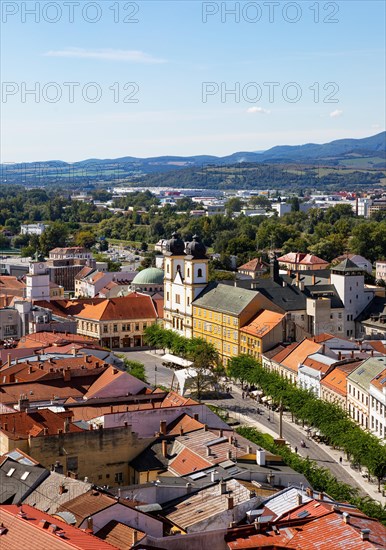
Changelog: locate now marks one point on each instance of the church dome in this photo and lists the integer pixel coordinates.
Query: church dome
(149, 276)
(196, 248)
(175, 245)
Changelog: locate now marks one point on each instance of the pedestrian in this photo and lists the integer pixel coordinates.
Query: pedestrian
(296, 449)
(340, 460)
(243, 395)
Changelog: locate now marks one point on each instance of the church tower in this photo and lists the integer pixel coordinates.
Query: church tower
(186, 275)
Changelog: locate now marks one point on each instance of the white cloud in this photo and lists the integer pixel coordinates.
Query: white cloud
(258, 110)
(108, 54)
(336, 114)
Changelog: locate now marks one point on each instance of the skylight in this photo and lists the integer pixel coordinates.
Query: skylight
(10, 472)
(25, 475)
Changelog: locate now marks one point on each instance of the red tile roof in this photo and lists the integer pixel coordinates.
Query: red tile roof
(30, 371)
(188, 462)
(21, 425)
(35, 530)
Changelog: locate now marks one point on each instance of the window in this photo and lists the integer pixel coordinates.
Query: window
(199, 272)
(188, 272)
(105, 329)
(10, 472)
(188, 301)
(178, 299)
(167, 269)
(72, 463)
(167, 296)
(115, 328)
(25, 475)
(137, 326)
(119, 477)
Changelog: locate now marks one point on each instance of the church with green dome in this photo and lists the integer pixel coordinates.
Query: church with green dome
(149, 280)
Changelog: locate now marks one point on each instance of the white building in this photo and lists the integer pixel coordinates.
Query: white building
(358, 390)
(380, 270)
(38, 282)
(186, 275)
(281, 208)
(348, 280)
(70, 253)
(32, 229)
(378, 405)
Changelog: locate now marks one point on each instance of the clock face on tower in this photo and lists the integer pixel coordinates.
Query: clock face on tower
(41, 266)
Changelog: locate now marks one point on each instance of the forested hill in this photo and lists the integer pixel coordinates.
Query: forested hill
(242, 169)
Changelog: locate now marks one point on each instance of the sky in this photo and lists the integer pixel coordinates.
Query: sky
(108, 79)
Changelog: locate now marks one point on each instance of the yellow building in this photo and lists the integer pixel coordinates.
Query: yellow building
(218, 314)
(264, 332)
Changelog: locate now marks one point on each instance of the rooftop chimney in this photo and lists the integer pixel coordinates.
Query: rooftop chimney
(309, 492)
(214, 476)
(61, 489)
(230, 503)
(229, 454)
(90, 524)
(162, 427)
(299, 499)
(346, 517)
(260, 457)
(208, 451)
(181, 430)
(164, 448)
(223, 487)
(365, 534)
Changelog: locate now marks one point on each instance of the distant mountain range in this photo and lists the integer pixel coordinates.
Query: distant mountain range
(365, 153)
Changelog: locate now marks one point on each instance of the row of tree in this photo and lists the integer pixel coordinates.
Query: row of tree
(362, 447)
(320, 478)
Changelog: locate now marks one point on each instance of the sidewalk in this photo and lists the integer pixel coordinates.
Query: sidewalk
(370, 488)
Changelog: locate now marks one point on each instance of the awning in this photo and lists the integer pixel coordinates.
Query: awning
(169, 358)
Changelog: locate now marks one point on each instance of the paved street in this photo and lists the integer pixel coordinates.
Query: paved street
(244, 410)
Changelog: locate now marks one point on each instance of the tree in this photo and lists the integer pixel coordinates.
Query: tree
(56, 235)
(233, 205)
(135, 368)
(85, 239)
(241, 367)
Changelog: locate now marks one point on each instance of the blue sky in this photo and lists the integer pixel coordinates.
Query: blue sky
(179, 62)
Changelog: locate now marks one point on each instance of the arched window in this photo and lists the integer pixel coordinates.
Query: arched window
(199, 272)
(188, 272)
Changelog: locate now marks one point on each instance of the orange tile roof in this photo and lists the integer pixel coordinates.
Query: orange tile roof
(378, 345)
(106, 378)
(173, 399)
(292, 257)
(317, 365)
(87, 504)
(185, 423)
(324, 337)
(330, 531)
(263, 323)
(336, 380)
(379, 381)
(187, 462)
(120, 535)
(283, 353)
(132, 306)
(310, 259)
(48, 390)
(254, 265)
(39, 339)
(21, 425)
(84, 272)
(300, 353)
(34, 531)
(12, 285)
